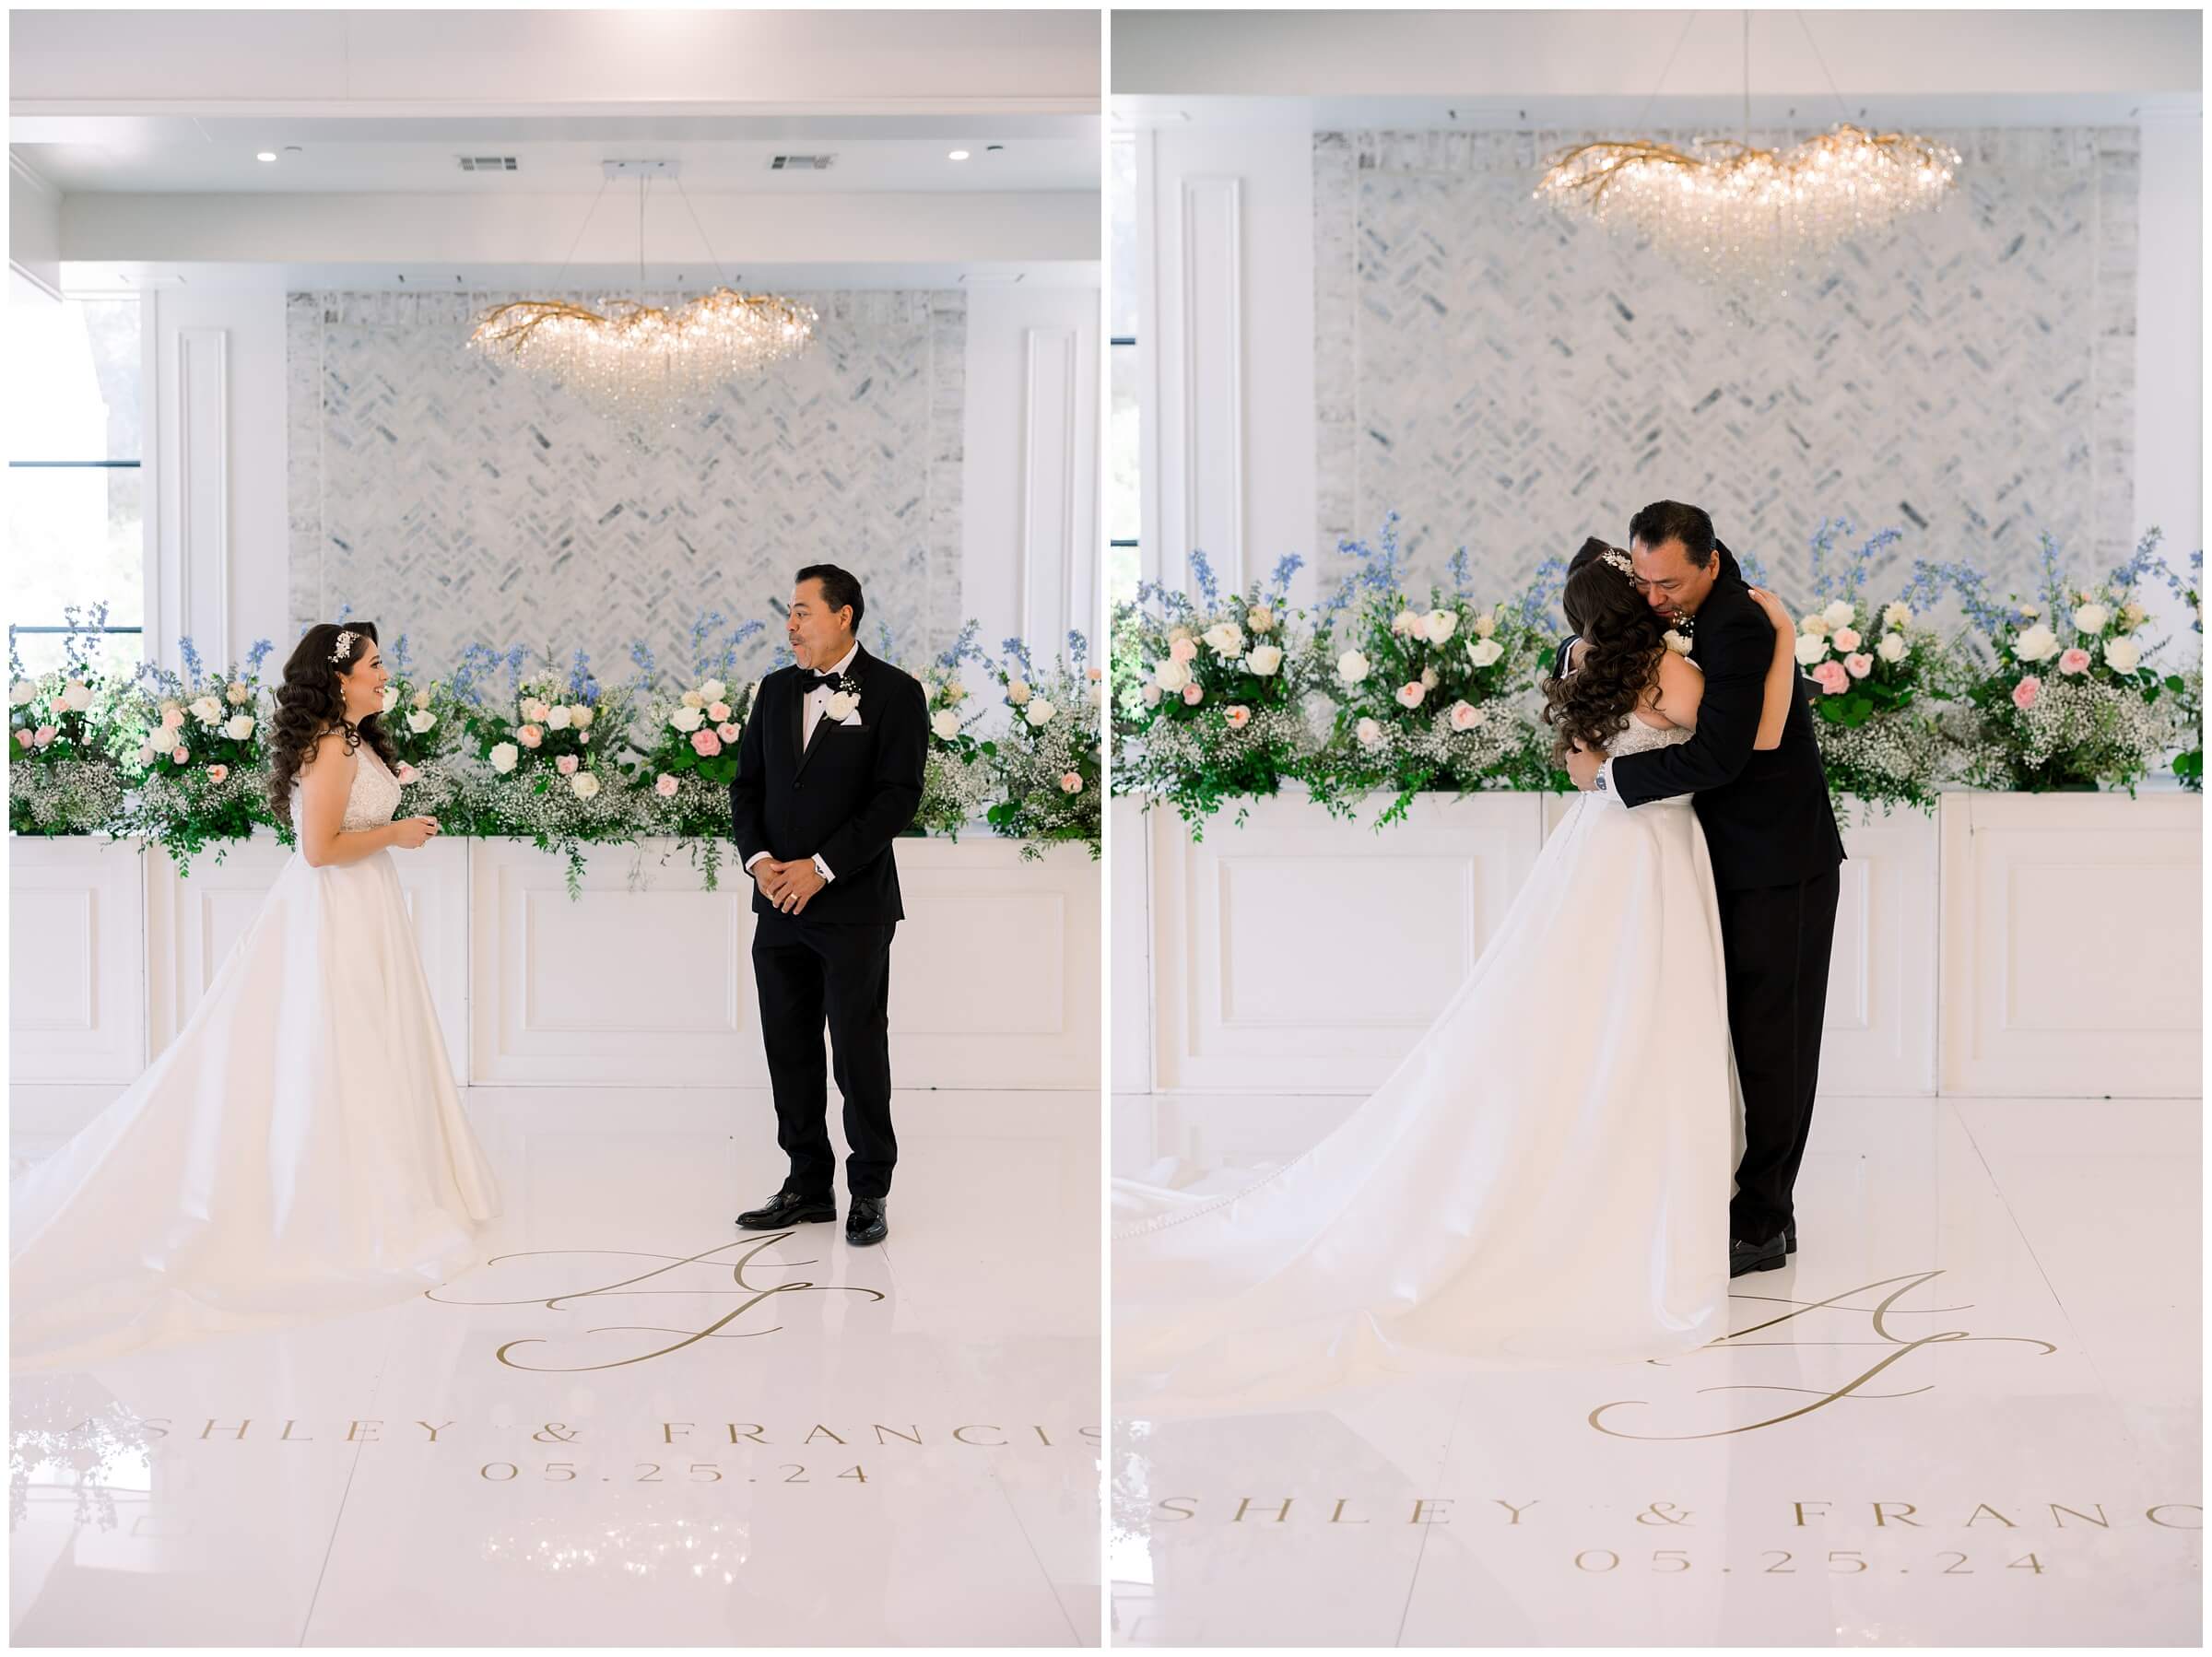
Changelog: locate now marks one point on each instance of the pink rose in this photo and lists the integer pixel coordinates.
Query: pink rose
(1829, 676)
(1183, 650)
(406, 773)
(1845, 638)
(718, 712)
(705, 744)
(664, 786)
(181, 754)
(1464, 716)
(1071, 782)
(2074, 660)
(1858, 664)
(216, 773)
(23, 739)
(1191, 695)
(565, 765)
(1239, 717)
(1091, 674)
(529, 736)
(1410, 694)
(2026, 692)
(729, 733)
(45, 735)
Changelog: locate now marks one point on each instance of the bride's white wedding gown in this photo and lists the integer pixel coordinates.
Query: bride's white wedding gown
(298, 1149)
(1543, 1181)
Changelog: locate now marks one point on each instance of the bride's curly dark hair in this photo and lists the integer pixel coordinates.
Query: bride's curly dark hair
(1625, 641)
(311, 702)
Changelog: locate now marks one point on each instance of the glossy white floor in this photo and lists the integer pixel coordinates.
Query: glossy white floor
(2008, 1454)
(909, 1457)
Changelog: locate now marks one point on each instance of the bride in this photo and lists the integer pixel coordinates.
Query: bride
(300, 1149)
(1544, 1179)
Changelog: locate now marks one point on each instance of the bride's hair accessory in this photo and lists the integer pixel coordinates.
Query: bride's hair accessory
(1619, 560)
(345, 647)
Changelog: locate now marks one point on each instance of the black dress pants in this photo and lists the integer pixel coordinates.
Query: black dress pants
(1776, 941)
(839, 974)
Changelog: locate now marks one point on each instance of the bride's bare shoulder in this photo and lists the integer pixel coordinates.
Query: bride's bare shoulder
(331, 746)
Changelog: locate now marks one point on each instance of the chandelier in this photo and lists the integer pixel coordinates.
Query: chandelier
(1746, 219)
(641, 363)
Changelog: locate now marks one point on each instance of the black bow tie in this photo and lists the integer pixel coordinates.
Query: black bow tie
(823, 676)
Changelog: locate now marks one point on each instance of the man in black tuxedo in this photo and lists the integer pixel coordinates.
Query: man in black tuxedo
(828, 774)
(1775, 849)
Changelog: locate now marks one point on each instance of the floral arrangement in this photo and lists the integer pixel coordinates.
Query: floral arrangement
(1051, 763)
(1874, 667)
(685, 751)
(62, 778)
(1211, 692)
(195, 754)
(2063, 698)
(1435, 691)
(423, 718)
(2188, 687)
(956, 775)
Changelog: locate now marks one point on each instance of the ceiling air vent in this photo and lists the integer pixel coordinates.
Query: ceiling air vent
(488, 164)
(801, 163)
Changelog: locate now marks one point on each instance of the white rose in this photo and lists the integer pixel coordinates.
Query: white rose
(1811, 647)
(1486, 625)
(1814, 625)
(686, 719)
(1677, 643)
(691, 698)
(1839, 614)
(581, 716)
(1264, 659)
(945, 723)
(1040, 713)
(1227, 640)
(421, 720)
(1018, 691)
(77, 696)
(1431, 679)
(21, 693)
(2123, 655)
(391, 697)
(1405, 621)
(583, 784)
(1485, 650)
(1150, 694)
(2092, 618)
(1171, 676)
(1352, 667)
(2038, 643)
(1896, 616)
(207, 711)
(1438, 625)
(239, 727)
(536, 711)
(1892, 648)
(556, 718)
(840, 704)
(713, 691)
(503, 758)
(1370, 732)
(1096, 695)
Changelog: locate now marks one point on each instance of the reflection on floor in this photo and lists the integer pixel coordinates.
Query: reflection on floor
(907, 1454)
(1836, 1473)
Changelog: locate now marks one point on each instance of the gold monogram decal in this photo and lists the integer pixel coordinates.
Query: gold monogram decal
(755, 1294)
(1877, 1318)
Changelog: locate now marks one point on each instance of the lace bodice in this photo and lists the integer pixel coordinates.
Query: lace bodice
(373, 800)
(1641, 738)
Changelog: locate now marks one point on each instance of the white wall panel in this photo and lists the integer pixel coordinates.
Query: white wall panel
(76, 961)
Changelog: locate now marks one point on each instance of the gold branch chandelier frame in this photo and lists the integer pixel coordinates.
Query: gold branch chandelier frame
(638, 363)
(1746, 219)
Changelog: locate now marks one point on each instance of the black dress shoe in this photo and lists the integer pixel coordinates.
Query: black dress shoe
(787, 1208)
(1789, 1235)
(1769, 1256)
(864, 1222)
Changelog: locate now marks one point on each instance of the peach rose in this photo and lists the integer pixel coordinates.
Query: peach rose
(45, 735)
(1183, 650)
(2026, 692)
(565, 765)
(529, 736)
(664, 786)
(1192, 695)
(2074, 660)
(1464, 716)
(23, 739)
(705, 744)
(1829, 676)
(718, 712)
(729, 733)
(406, 773)
(1410, 694)
(1858, 664)
(216, 773)
(1071, 782)
(1239, 717)
(1845, 640)
(181, 754)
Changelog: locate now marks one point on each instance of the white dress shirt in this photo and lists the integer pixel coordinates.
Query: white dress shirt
(812, 709)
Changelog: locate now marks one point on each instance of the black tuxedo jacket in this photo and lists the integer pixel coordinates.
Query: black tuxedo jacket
(1765, 813)
(844, 796)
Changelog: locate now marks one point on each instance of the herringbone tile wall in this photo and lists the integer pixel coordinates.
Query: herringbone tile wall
(1510, 380)
(457, 499)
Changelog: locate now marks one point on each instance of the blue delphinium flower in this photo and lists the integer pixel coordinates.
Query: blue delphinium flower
(1018, 654)
(1201, 571)
(961, 647)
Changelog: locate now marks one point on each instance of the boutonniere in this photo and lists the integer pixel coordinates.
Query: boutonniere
(1678, 642)
(845, 699)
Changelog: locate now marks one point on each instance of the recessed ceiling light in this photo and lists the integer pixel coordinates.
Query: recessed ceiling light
(960, 155)
(266, 155)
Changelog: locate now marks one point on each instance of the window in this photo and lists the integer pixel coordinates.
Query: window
(74, 506)
(1124, 503)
